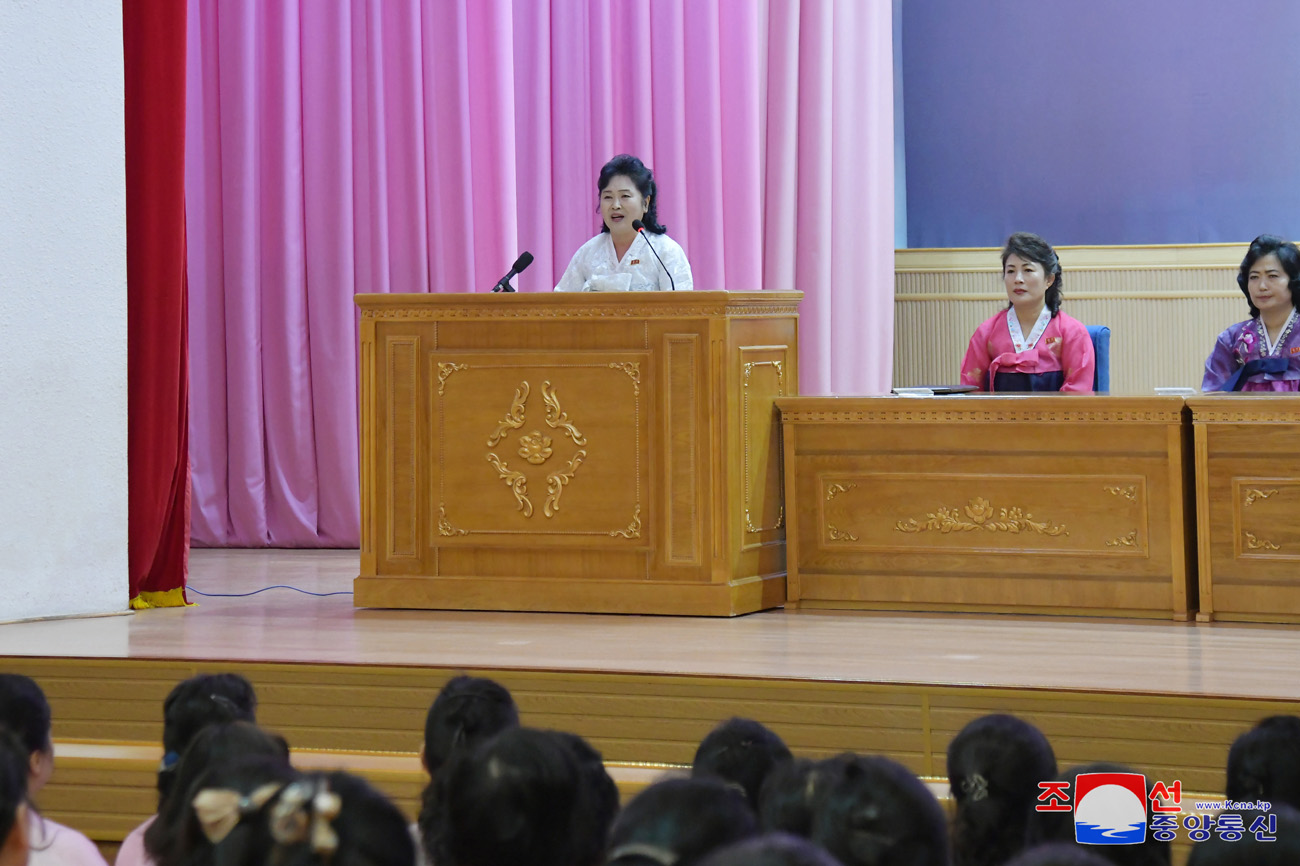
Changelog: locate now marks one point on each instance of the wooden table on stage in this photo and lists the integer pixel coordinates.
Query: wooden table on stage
(1029, 503)
(574, 452)
(1248, 505)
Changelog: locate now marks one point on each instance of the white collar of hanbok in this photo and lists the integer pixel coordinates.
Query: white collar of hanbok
(1270, 348)
(1018, 340)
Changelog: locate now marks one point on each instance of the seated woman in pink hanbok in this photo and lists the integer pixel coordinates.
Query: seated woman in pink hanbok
(1032, 345)
(1263, 352)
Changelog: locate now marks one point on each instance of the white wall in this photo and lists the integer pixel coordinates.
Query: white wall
(63, 473)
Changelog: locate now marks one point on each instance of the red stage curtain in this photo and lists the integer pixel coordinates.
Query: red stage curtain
(153, 41)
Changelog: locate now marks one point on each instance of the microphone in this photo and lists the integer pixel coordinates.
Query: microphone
(640, 228)
(521, 263)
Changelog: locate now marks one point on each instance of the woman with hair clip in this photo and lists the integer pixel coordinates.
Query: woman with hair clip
(1263, 352)
(1032, 345)
(623, 257)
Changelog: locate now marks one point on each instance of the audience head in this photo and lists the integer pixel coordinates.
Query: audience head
(524, 797)
(1031, 249)
(25, 711)
(642, 179)
(994, 767)
(1288, 257)
(322, 818)
(468, 711)
(1264, 762)
(1058, 854)
(788, 796)
(169, 839)
(13, 800)
(741, 752)
(773, 849)
(877, 813)
(678, 822)
(193, 705)
(1249, 850)
(1044, 827)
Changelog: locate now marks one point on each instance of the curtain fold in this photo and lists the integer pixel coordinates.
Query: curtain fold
(405, 146)
(153, 43)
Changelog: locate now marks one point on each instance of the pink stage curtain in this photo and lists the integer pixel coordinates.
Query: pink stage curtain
(338, 147)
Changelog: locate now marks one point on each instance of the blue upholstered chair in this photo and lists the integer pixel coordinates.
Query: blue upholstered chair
(1100, 335)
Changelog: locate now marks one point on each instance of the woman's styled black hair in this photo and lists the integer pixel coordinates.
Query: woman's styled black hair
(679, 822)
(25, 711)
(194, 704)
(635, 170)
(1032, 248)
(772, 849)
(743, 752)
(994, 766)
(1286, 253)
(14, 761)
(877, 812)
(1264, 762)
(522, 797)
(169, 837)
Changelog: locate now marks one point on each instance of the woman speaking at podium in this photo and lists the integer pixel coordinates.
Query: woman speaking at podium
(624, 257)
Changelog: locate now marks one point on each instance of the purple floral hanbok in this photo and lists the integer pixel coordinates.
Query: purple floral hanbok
(1245, 360)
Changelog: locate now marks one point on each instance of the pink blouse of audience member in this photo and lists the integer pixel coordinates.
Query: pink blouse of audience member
(55, 845)
(132, 852)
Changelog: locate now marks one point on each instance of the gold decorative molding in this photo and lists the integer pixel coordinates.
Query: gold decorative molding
(535, 448)
(993, 412)
(751, 527)
(525, 306)
(514, 417)
(1129, 540)
(445, 369)
(1254, 543)
(556, 481)
(748, 368)
(633, 370)
(556, 418)
(981, 514)
(633, 529)
(1253, 495)
(839, 535)
(1129, 492)
(835, 488)
(516, 481)
(445, 526)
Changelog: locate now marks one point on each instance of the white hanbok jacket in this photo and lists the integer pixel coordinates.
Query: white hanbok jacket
(595, 267)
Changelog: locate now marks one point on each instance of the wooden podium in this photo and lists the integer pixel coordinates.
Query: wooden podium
(611, 453)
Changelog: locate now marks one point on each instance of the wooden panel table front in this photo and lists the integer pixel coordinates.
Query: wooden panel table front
(1028, 503)
(1248, 505)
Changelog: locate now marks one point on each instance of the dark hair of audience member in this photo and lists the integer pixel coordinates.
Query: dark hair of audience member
(194, 704)
(790, 793)
(1057, 854)
(520, 798)
(678, 822)
(222, 803)
(321, 818)
(742, 752)
(599, 804)
(467, 712)
(1031, 248)
(166, 839)
(994, 766)
(1046, 827)
(1249, 850)
(877, 813)
(13, 799)
(1264, 762)
(25, 711)
(771, 849)
(1287, 254)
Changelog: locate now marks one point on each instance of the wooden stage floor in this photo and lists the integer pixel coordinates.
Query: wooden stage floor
(1000, 651)
(1163, 696)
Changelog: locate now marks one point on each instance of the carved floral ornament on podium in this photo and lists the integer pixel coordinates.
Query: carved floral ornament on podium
(536, 448)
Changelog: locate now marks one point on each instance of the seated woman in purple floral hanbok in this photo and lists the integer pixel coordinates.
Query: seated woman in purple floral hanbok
(1263, 352)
